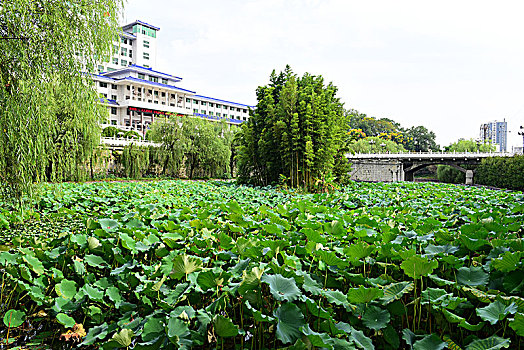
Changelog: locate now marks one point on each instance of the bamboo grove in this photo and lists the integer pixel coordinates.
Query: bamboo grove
(295, 134)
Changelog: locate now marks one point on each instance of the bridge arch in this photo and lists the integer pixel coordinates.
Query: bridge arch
(390, 167)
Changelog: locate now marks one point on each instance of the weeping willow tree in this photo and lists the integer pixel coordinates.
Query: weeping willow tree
(48, 115)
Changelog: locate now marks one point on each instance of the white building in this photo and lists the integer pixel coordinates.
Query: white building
(495, 132)
(135, 93)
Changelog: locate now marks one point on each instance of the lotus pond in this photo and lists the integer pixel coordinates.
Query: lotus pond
(180, 265)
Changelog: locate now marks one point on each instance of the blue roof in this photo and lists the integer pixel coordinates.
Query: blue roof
(142, 23)
(216, 99)
(157, 84)
(154, 71)
(212, 117)
(109, 101)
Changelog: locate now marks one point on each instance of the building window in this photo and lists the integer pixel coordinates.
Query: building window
(195, 110)
(225, 115)
(156, 93)
(195, 102)
(210, 104)
(153, 79)
(113, 86)
(113, 122)
(203, 103)
(100, 69)
(156, 101)
(109, 69)
(163, 94)
(123, 51)
(150, 91)
(218, 114)
(164, 81)
(115, 60)
(103, 85)
(146, 56)
(124, 40)
(141, 76)
(232, 108)
(113, 110)
(244, 110)
(128, 88)
(238, 109)
(113, 97)
(146, 43)
(204, 112)
(210, 113)
(130, 53)
(188, 100)
(218, 106)
(123, 63)
(105, 95)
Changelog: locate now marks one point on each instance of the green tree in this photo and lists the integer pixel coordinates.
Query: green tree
(420, 139)
(45, 97)
(202, 147)
(470, 145)
(296, 131)
(375, 145)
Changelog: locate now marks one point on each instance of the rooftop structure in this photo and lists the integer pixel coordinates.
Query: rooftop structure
(135, 93)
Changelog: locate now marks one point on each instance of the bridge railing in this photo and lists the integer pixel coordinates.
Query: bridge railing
(428, 155)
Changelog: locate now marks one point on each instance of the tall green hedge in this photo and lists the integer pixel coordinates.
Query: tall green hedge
(503, 172)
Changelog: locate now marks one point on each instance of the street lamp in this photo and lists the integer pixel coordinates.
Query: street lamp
(521, 133)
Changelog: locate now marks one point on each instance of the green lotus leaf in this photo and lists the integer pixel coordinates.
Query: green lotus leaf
(375, 318)
(257, 315)
(314, 235)
(311, 286)
(429, 342)
(123, 338)
(251, 280)
(363, 295)
(491, 343)
(472, 276)
(183, 265)
(330, 258)
(282, 288)
(178, 332)
(335, 297)
(108, 224)
(224, 327)
(417, 266)
(496, 312)
(359, 250)
(35, 264)
(517, 324)
(391, 337)
(66, 289)
(95, 261)
(395, 291)
(66, 320)
(289, 321)
(318, 340)
(507, 262)
(14, 318)
(361, 340)
(93, 243)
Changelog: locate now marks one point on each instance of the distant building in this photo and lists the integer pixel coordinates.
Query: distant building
(135, 94)
(496, 133)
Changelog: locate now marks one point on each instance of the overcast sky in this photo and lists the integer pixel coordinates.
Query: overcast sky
(447, 65)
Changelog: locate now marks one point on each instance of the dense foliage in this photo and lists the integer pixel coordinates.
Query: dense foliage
(201, 147)
(295, 133)
(415, 138)
(502, 172)
(199, 265)
(48, 119)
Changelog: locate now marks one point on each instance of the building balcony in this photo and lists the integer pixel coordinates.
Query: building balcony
(153, 106)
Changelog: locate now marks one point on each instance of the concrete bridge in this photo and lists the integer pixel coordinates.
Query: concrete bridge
(391, 167)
